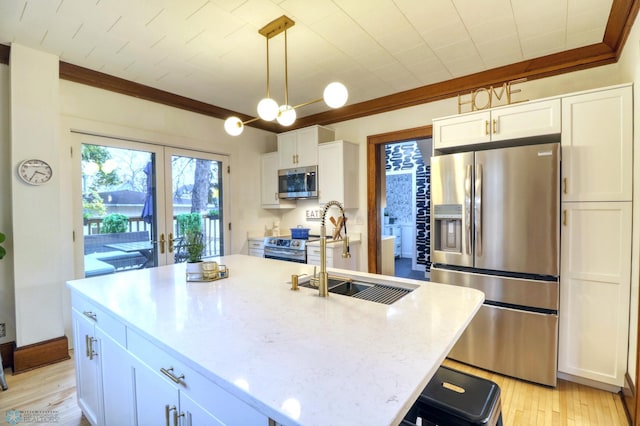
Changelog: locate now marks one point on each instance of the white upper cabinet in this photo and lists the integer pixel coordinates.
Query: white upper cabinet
(597, 155)
(338, 173)
(515, 121)
(299, 148)
(269, 190)
(461, 130)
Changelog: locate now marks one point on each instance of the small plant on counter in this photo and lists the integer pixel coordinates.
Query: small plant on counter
(194, 245)
(190, 227)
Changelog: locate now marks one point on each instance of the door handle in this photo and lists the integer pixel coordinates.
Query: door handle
(486, 127)
(477, 214)
(467, 209)
(564, 217)
(564, 185)
(171, 240)
(162, 241)
(494, 125)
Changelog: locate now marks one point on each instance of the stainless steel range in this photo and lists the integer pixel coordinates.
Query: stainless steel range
(283, 248)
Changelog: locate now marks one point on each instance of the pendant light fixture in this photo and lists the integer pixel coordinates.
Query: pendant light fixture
(335, 95)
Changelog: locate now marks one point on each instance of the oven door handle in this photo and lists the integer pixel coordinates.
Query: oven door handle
(284, 252)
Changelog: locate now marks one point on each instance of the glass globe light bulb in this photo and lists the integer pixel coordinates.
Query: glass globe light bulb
(335, 95)
(286, 115)
(233, 126)
(267, 109)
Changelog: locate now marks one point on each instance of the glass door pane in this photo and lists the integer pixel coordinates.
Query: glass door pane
(195, 205)
(119, 205)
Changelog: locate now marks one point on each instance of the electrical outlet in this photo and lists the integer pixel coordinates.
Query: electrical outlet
(3, 329)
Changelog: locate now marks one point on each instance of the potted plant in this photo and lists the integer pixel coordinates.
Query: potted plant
(194, 245)
(190, 226)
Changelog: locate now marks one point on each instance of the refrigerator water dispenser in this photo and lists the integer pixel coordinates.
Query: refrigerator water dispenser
(448, 227)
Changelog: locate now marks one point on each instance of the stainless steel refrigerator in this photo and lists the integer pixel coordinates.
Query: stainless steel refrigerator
(495, 227)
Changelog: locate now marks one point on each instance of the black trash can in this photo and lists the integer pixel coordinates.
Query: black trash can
(454, 398)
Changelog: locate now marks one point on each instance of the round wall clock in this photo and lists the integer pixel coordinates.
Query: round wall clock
(35, 172)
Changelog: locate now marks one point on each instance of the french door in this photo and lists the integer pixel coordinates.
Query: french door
(139, 200)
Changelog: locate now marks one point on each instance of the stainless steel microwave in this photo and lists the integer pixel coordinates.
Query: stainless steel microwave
(300, 182)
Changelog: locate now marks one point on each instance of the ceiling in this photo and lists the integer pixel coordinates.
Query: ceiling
(210, 50)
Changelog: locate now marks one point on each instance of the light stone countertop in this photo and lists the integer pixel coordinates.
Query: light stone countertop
(301, 359)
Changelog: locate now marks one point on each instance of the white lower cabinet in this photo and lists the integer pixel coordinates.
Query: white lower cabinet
(161, 403)
(594, 290)
(116, 382)
(256, 247)
(103, 381)
(88, 380)
(123, 378)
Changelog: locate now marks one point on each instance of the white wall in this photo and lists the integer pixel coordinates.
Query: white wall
(39, 228)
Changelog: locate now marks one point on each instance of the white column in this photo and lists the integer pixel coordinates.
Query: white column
(38, 256)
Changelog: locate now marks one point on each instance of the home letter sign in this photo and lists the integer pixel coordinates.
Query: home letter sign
(484, 98)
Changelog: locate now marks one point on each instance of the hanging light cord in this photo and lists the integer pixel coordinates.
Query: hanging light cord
(286, 71)
(268, 88)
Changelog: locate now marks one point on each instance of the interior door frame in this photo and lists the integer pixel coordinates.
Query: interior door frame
(375, 182)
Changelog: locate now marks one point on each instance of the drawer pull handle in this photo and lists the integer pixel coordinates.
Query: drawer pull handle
(91, 315)
(167, 410)
(169, 373)
(88, 341)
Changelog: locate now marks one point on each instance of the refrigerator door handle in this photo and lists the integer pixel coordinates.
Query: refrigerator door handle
(477, 214)
(467, 208)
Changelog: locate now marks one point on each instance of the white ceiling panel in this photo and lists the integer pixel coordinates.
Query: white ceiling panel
(210, 50)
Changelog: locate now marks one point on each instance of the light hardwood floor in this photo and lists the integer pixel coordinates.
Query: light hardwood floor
(52, 389)
(569, 403)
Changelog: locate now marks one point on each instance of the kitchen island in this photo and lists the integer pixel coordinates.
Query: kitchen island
(255, 350)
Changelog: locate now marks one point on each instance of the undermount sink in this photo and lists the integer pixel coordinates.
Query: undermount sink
(373, 292)
(348, 288)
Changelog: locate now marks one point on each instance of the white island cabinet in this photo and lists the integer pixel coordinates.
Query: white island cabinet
(246, 350)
